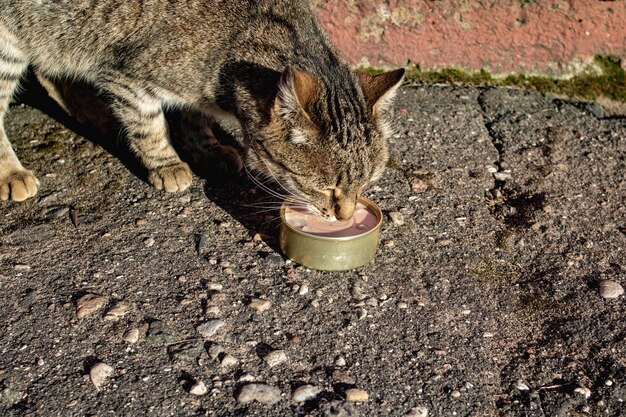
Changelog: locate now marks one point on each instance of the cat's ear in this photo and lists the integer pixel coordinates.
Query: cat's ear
(380, 89)
(297, 90)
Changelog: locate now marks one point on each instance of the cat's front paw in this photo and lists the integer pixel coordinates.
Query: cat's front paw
(18, 185)
(172, 178)
(224, 160)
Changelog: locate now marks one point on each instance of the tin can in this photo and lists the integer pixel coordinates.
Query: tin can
(330, 253)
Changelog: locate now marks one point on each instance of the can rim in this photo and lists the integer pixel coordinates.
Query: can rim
(366, 201)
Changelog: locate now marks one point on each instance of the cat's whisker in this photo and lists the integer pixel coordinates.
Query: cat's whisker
(291, 196)
(267, 189)
(269, 173)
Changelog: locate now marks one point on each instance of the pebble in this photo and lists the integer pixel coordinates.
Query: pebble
(12, 396)
(584, 391)
(397, 218)
(305, 393)
(212, 311)
(357, 292)
(228, 360)
(340, 361)
(263, 393)
(342, 377)
(22, 267)
(140, 221)
(355, 394)
(218, 297)
(209, 328)
(610, 289)
(259, 304)
(198, 388)
(100, 373)
(215, 350)
(522, 386)
(89, 304)
(185, 351)
(116, 312)
(275, 358)
(338, 409)
(304, 289)
(246, 378)
(419, 185)
(455, 394)
(274, 258)
(402, 305)
(417, 412)
(131, 336)
(159, 333)
(149, 242)
(214, 286)
(372, 302)
(502, 176)
(57, 213)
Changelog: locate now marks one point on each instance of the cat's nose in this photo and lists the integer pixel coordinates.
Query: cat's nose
(344, 211)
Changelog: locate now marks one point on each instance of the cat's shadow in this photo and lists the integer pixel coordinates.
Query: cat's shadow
(234, 193)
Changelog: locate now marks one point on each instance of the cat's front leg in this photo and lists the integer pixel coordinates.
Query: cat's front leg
(16, 183)
(202, 148)
(141, 115)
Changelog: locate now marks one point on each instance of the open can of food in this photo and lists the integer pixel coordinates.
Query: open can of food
(316, 243)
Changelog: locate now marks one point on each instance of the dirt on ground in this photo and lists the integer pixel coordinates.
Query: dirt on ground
(496, 292)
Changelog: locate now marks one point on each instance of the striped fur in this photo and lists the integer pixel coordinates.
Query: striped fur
(308, 121)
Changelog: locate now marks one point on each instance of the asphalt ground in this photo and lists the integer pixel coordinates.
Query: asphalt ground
(483, 300)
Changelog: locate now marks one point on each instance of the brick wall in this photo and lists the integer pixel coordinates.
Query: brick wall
(531, 36)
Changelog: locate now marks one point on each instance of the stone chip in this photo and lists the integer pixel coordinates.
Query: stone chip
(89, 304)
(262, 393)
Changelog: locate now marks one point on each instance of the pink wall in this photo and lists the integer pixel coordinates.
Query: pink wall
(501, 36)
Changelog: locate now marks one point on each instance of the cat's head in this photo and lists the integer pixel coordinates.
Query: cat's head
(326, 140)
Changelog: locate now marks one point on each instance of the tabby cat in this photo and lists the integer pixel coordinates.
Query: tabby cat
(307, 119)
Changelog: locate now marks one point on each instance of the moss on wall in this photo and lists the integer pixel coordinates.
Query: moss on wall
(605, 79)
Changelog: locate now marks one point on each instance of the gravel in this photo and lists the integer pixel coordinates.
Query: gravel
(356, 395)
(584, 391)
(228, 361)
(185, 351)
(397, 218)
(131, 335)
(262, 393)
(159, 333)
(275, 358)
(198, 388)
(89, 304)
(100, 373)
(259, 304)
(210, 328)
(420, 411)
(305, 393)
(610, 289)
(119, 310)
